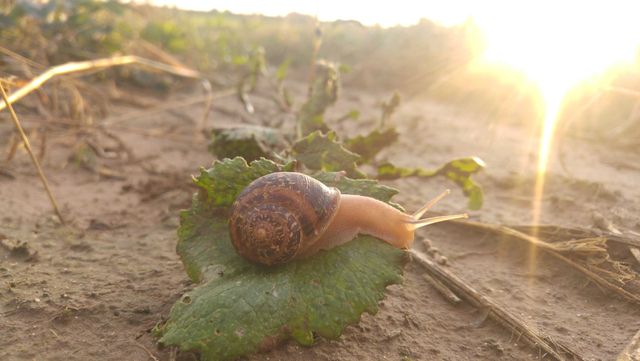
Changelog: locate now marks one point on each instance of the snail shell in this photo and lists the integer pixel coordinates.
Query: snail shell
(279, 215)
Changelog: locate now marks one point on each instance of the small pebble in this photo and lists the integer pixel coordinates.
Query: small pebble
(433, 251)
(442, 260)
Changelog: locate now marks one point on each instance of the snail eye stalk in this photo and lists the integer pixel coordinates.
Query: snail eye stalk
(416, 216)
(427, 221)
(417, 222)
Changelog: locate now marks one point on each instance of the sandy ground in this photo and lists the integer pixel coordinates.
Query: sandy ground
(93, 290)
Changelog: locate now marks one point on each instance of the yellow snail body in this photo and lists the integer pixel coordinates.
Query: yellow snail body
(285, 216)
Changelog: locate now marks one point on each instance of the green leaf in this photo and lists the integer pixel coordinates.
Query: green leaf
(240, 308)
(353, 114)
(364, 187)
(390, 171)
(318, 151)
(344, 69)
(458, 170)
(371, 144)
(322, 94)
(249, 142)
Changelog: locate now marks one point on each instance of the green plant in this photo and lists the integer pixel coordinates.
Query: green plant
(319, 148)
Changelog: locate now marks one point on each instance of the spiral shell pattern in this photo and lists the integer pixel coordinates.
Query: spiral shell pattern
(278, 215)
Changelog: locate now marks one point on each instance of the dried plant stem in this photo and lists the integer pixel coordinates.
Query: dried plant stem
(497, 312)
(34, 159)
(317, 42)
(149, 353)
(445, 291)
(510, 232)
(629, 239)
(12, 148)
(206, 85)
(20, 57)
(93, 65)
(632, 351)
(635, 253)
(74, 67)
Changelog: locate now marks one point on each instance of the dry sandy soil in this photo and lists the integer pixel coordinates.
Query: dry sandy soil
(92, 290)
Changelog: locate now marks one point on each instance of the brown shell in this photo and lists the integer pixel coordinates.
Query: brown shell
(279, 215)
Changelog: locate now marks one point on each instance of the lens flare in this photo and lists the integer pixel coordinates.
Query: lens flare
(557, 45)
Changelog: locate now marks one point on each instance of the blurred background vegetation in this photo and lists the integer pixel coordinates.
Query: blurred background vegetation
(423, 60)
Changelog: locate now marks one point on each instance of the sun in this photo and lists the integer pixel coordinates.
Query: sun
(556, 45)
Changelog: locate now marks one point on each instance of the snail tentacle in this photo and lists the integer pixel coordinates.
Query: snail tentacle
(416, 222)
(431, 220)
(430, 204)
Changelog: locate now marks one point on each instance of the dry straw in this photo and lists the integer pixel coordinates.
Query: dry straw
(75, 67)
(34, 159)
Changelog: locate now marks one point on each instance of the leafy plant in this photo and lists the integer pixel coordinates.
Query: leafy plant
(318, 148)
(167, 34)
(319, 151)
(458, 170)
(253, 142)
(323, 93)
(368, 146)
(283, 99)
(255, 65)
(240, 308)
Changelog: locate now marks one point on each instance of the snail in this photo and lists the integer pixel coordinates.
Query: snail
(284, 216)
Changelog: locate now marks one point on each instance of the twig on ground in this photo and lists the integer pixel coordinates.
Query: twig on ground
(550, 249)
(151, 355)
(445, 291)
(630, 238)
(20, 57)
(173, 352)
(34, 159)
(497, 312)
(632, 351)
(12, 147)
(74, 67)
(94, 65)
(206, 84)
(635, 253)
(83, 66)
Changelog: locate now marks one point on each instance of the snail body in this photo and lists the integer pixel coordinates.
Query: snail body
(285, 216)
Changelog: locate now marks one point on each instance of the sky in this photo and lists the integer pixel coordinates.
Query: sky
(385, 13)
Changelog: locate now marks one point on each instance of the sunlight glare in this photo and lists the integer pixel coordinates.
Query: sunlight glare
(557, 45)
